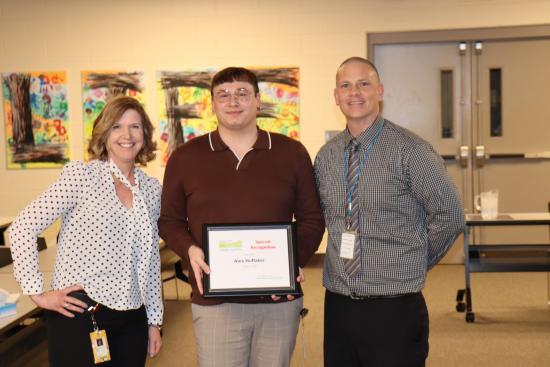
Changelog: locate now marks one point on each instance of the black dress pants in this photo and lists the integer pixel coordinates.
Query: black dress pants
(378, 332)
(69, 342)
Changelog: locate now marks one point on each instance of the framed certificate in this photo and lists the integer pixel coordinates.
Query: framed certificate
(250, 259)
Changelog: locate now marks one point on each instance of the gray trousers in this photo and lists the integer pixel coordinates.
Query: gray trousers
(246, 335)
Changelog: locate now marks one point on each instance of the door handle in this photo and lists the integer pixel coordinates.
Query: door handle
(480, 156)
(533, 155)
(464, 156)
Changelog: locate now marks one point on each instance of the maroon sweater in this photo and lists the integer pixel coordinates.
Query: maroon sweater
(204, 183)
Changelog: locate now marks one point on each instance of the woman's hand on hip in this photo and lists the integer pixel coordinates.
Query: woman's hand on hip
(59, 301)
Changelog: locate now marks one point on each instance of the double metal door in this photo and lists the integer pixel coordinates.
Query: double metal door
(485, 106)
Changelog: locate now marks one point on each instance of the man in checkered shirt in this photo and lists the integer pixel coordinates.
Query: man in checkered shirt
(392, 212)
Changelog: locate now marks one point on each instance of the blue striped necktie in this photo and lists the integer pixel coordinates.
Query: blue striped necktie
(352, 266)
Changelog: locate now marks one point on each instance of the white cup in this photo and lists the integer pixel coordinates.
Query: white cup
(487, 203)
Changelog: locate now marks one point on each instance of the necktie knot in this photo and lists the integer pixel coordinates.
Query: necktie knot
(354, 145)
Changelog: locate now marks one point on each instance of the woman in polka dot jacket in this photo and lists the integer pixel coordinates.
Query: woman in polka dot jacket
(107, 251)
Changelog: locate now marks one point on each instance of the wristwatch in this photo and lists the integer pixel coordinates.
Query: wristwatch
(156, 326)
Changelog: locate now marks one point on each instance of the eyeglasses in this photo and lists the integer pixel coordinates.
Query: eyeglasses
(242, 95)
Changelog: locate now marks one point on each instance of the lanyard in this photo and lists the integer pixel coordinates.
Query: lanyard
(350, 190)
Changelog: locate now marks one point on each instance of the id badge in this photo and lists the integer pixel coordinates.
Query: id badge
(100, 346)
(348, 243)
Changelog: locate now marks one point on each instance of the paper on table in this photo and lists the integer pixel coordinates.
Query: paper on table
(8, 309)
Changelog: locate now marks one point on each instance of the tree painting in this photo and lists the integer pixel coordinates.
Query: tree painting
(98, 87)
(185, 104)
(36, 119)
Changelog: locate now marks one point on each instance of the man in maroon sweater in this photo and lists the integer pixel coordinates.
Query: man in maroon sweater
(240, 174)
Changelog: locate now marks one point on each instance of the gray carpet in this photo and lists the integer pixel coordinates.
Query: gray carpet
(512, 325)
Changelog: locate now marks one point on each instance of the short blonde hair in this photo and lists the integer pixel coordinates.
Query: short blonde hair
(113, 111)
(360, 60)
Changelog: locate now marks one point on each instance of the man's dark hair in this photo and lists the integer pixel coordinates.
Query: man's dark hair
(235, 74)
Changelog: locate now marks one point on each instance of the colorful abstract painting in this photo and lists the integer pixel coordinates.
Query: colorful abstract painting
(185, 105)
(36, 119)
(98, 87)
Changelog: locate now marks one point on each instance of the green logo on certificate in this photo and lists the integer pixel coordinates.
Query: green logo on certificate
(230, 244)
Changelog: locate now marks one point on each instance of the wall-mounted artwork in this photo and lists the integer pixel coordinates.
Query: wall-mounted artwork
(98, 87)
(36, 119)
(185, 105)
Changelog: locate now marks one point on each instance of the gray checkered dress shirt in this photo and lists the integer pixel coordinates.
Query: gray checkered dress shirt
(410, 211)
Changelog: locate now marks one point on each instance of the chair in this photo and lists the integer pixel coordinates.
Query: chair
(41, 242)
(548, 259)
(171, 262)
(5, 256)
(5, 252)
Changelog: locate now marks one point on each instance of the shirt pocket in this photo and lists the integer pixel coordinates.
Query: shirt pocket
(389, 207)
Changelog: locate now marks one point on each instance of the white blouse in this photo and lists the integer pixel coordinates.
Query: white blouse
(111, 250)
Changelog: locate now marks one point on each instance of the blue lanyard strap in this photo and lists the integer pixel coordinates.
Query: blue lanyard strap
(350, 191)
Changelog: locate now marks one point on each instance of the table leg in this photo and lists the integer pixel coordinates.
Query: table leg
(469, 313)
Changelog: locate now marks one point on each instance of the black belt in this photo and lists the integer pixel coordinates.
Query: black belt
(354, 296)
(83, 296)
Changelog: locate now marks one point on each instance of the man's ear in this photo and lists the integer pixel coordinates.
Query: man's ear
(336, 99)
(380, 91)
(258, 102)
(213, 107)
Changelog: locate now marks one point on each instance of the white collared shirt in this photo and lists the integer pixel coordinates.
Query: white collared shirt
(111, 250)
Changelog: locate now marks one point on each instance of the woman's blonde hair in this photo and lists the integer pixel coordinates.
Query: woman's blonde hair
(113, 111)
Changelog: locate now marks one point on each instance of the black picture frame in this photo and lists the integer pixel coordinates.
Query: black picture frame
(212, 289)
